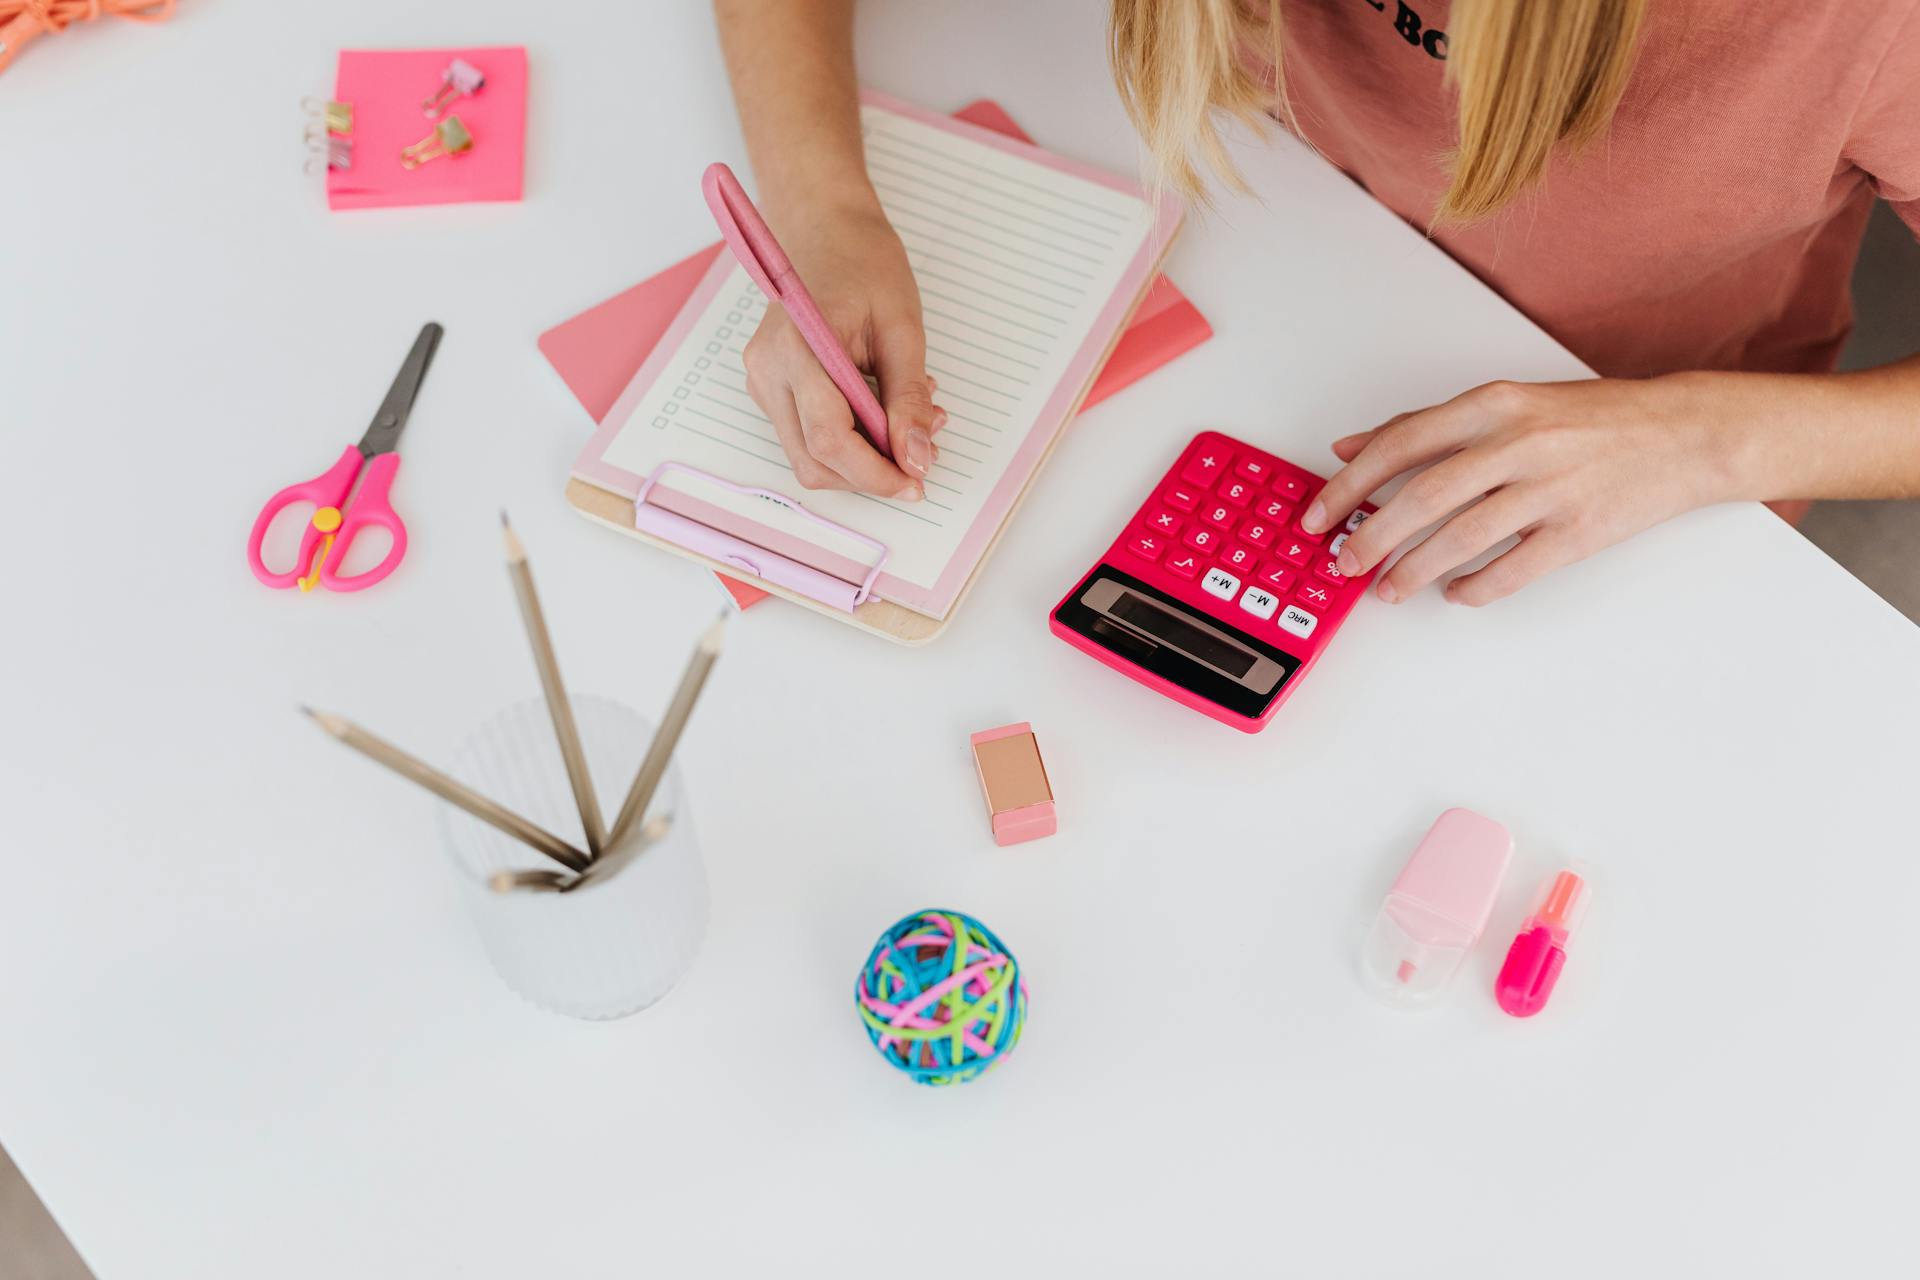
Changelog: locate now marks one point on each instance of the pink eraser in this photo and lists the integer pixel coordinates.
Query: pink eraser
(1437, 908)
(1014, 780)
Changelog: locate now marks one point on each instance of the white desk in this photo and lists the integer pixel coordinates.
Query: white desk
(246, 1030)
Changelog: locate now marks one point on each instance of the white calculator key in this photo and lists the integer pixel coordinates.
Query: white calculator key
(1333, 547)
(1297, 621)
(1354, 520)
(1220, 583)
(1260, 604)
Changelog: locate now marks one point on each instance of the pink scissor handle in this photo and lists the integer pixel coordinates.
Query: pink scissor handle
(329, 490)
(370, 506)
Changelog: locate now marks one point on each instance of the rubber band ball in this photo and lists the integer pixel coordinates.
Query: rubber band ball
(941, 997)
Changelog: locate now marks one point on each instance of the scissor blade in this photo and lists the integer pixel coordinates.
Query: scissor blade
(384, 435)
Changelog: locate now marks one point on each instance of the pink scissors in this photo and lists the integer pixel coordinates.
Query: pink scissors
(336, 519)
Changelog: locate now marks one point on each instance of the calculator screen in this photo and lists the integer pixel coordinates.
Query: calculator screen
(1158, 633)
(1190, 639)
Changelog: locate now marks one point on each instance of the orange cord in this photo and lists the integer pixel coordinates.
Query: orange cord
(24, 21)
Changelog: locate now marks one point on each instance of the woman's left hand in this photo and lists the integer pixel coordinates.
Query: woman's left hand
(1570, 467)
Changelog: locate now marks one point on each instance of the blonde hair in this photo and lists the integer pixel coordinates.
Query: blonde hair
(1528, 74)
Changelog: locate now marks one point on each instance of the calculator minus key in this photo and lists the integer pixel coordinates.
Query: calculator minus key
(1206, 466)
(1181, 497)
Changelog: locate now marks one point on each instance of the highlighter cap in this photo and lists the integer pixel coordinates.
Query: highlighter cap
(1437, 908)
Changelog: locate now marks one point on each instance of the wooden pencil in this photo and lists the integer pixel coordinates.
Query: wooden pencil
(454, 793)
(654, 767)
(544, 660)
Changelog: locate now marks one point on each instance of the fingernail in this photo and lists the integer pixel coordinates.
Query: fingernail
(1348, 563)
(939, 419)
(1315, 519)
(919, 450)
(909, 492)
(1386, 589)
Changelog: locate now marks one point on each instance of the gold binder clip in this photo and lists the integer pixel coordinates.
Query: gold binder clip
(449, 138)
(337, 117)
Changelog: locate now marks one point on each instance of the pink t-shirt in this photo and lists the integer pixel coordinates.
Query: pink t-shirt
(1715, 225)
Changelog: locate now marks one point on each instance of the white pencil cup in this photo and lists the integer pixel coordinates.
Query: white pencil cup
(613, 946)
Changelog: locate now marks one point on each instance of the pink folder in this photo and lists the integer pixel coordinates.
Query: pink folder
(598, 352)
(387, 86)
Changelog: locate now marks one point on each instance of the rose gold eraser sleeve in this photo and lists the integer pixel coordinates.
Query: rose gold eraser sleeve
(1014, 778)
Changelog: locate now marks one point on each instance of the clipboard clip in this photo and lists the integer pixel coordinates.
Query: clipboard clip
(750, 558)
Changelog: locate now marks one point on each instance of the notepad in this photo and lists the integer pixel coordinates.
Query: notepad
(1028, 266)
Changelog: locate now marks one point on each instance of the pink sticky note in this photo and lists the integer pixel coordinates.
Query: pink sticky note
(386, 88)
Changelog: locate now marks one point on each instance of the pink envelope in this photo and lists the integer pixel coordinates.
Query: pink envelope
(598, 351)
(385, 87)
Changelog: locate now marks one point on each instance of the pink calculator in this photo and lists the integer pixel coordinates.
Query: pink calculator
(1213, 593)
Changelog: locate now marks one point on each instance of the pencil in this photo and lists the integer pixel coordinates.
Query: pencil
(654, 767)
(460, 796)
(558, 707)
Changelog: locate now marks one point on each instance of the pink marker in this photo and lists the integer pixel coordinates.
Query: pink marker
(1539, 951)
(753, 244)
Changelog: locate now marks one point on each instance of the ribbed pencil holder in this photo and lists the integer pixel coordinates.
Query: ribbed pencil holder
(613, 946)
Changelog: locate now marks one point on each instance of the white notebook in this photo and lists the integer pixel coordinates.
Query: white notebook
(1028, 267)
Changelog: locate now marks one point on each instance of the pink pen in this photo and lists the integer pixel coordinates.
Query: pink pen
(753, 244)
(1539, 951)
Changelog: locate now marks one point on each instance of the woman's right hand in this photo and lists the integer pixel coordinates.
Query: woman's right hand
(854, 265)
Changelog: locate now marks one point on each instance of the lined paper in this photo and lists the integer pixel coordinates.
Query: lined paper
(1015, 261)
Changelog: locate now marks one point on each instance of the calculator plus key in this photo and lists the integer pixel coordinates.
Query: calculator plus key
(1207, 466)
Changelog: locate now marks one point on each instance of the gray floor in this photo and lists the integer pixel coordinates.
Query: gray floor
(1876, 541)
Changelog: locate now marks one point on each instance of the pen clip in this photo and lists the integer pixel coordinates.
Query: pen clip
(745, 230)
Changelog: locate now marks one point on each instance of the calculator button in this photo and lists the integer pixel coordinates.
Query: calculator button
(1206, 466)
(1291, 488)
(1240, 559)
(1259, 532)
(1237, 492)
(1181, 497)
(1184, 565)
(1201, 538)
(1314, 596)
(1219, 516)
(1274, 510)
(1311, 539)
(1255, 469)
(1297, 621)
(1354, 520)
(1294, 551)
(1275, 576)
(1219, 582)
(1334, 544)
(1259, 602)
(1164, 522)
(1326, 568)
(1146, 546)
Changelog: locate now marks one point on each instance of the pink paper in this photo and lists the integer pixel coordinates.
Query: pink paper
(386, 87)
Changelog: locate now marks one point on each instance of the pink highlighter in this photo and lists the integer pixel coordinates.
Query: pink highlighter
(1539, 951)
(767, 265)
(1437, 908)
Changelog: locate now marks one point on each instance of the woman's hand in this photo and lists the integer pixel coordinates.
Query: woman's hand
(1570, 467)
(856, 269)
